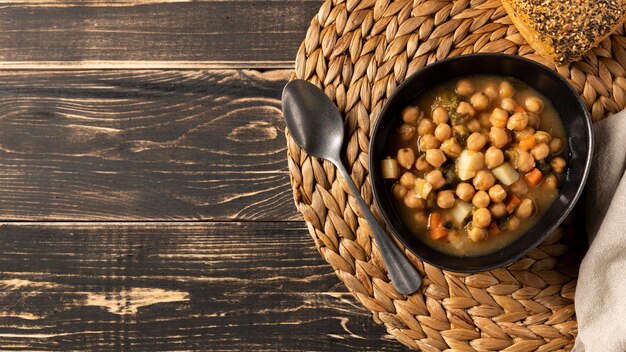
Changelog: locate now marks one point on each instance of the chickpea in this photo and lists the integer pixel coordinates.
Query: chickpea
(440, 115)
(499, 118)
(443, 132)
(421, 218)
(533, 120)
(525, 209)
(476, 141)
(493, 157)
(406, 132)
(517, 121)
(407, 180)
(465, 191)
(428, 141)
(519, 187)
(497, 210)
(465, 108)
(481, 218)
(550, 183)
(483, 119)
(473, 125)
(414, 201)
(481, 199)
(399, 191)
(542, 137)
(497, 194)
(445, 199)
(425, 126)
(464, 87)
(479, 101)
(540, 151)
(533, 104)
(483, 180)
(498, 137)
(512, 224)
(451, 147)
(410, 114)
(476, 234)
(506, 90)
(508, 104)
(526, 132)
(556, 144)
(422, 165)
(558, 164)
(525, 161)
(435, 178)
(435, 157)
(406, 157)
(491, 92)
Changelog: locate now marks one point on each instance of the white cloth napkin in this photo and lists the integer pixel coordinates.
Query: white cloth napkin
(601, 288)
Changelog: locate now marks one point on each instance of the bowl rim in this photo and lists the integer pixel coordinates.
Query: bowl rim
(570, 205)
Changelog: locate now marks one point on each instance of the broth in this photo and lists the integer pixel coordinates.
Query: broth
(426, 190)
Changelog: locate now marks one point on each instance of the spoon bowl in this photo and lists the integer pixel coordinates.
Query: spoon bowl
(315, 123)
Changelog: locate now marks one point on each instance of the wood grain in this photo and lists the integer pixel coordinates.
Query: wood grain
(134, 143)
(150, 34)
(143, 145)
(157, 286)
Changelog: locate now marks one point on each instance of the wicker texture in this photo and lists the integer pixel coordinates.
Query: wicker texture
(358, 52)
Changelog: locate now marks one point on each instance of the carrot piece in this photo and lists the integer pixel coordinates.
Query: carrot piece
(533, 177)
(519, 108)
(527, 143)
(438, 233)
(512, 203)
(435, 220)
(493, 229)
(435, 223)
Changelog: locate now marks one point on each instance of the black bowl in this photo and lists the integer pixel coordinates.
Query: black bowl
(567, 103)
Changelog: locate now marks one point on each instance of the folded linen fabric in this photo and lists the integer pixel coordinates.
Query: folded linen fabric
(600, 299)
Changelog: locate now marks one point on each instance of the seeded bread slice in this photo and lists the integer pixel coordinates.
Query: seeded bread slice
(564, 30)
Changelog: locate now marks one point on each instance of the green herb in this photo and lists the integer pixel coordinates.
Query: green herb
(502, 221)
(544, 166)
(448, 100)
(461, 138)
(456, 118)
(446, 165)
(450, 176)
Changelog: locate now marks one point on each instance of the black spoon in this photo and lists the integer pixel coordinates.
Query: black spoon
(317, 126)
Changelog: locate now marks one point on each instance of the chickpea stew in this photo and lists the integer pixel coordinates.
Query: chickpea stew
(474, 163)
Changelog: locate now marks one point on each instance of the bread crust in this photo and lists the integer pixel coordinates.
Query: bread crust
(564, 30)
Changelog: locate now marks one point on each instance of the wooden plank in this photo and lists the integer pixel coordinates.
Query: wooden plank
(210, 34)
(115, 2)
(147, 65)
(163, 286)
(143, 145)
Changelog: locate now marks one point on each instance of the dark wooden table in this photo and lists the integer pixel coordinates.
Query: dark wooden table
(144, 191)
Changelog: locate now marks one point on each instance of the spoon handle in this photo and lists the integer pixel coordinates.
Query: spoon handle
(403, 274)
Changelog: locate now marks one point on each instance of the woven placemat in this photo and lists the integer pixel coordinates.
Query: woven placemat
(358, 52)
